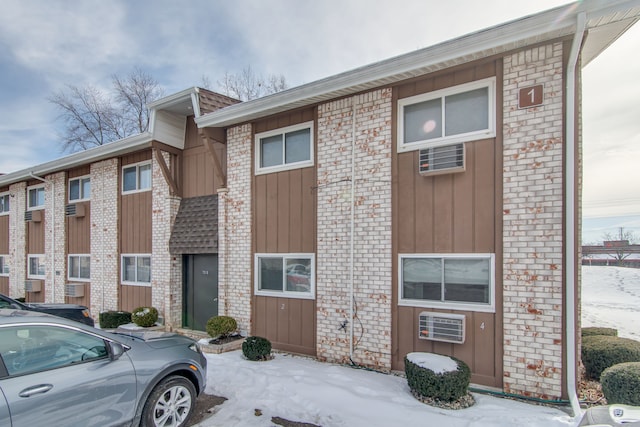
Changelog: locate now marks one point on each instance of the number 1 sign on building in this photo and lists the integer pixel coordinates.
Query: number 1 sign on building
(530, 96)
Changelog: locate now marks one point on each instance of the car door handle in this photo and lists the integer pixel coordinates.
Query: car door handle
(36, 389)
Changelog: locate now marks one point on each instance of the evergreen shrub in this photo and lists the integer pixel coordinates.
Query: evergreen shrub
(144, 316)
(591, 331)
(621, 383)
(446, 386)
(221, 326)
(113, 319)
(256, 348)
(600, 352)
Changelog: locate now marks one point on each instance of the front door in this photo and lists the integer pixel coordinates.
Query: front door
(200, 290)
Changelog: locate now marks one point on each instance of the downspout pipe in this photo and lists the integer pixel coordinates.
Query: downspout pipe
(570, 204)
(53, 232)
(352, 226)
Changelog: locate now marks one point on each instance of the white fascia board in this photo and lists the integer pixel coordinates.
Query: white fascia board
(112, 149)
(548, 25)
(172, 99)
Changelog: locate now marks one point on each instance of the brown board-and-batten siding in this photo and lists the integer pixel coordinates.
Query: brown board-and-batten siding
(285, 222)
(135, 233)
(200, 177)
(79, 234)
(448, 214)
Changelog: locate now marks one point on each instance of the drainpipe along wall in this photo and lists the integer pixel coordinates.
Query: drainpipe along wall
(570, 203)
(352, 226)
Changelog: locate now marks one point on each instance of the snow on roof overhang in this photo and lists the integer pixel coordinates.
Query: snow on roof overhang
(606, 21)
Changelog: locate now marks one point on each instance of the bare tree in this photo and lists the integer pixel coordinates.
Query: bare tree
(94, 118)
(619, 245)
(247, 85)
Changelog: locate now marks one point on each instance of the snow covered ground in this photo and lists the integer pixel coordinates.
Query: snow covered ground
(611, 298)
(301, 389)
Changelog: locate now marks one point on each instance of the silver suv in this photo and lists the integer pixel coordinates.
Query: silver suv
(57, 372)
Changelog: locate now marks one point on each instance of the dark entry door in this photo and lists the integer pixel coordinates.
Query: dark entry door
(201, 290)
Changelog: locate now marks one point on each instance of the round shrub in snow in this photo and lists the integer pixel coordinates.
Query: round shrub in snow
(439, 377)
(144, 316)
(588, 332)
(256, 348)
(221, 326)
(600, 352)
(621, 383)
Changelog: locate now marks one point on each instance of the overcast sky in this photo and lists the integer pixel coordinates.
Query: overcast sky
(47, 44)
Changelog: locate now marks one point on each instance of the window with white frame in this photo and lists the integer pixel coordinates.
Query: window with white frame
(457, 114)
(455, 281)
(79, 189)
(36, 267)
(35, 197)
(4, 203)
(136, 177)
(284, 148)
(79, 267)
(4, 265)
(136, 269)
(285, 275)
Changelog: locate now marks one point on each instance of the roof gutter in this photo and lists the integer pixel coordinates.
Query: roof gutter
(102, 152)
(570, 203)
(471, 47)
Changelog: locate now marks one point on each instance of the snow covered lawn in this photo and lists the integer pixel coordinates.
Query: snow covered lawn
(301, 389)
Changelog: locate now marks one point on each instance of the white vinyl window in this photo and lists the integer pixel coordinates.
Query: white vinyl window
(4, 203)
(284, 148)
(79, 267)
(457, 114)
(452, 281)
(136, 177)
(4, 265)
(35, 197)
(285, 275)
(79, 189)
(136, 269)
(36, 267)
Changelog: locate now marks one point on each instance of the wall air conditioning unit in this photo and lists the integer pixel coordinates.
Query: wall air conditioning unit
(441, 327)
(75, 290)
(32, 285)
(33, 216)
(443, 159)
(74, 209)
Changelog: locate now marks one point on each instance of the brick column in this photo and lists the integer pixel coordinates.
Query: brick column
(533, 229)
(166, 277)
(371, 234)
(105, 276)
(234, 219)
(17, 239)
(55, 228)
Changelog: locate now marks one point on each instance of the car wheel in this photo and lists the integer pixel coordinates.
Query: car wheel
(170, 404)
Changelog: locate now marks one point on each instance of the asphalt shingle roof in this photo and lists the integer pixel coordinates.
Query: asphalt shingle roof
(196, 227)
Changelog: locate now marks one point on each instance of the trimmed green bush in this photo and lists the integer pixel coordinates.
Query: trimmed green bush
(589, 332)
(446, 386)
(144, 316)
(600, 352)
(221, 326)
(256, 348)
(621, 383)
(113, 319)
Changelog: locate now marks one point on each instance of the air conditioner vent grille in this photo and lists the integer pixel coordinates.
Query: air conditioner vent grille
(70, 210)
(442, 327)
(442, 159)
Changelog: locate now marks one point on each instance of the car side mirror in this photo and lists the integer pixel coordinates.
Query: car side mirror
(115, 350)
